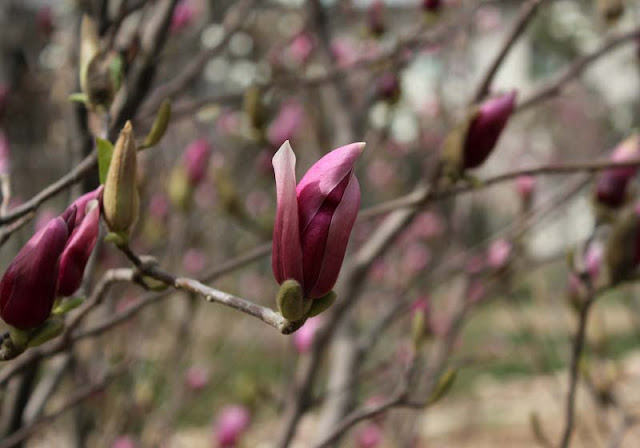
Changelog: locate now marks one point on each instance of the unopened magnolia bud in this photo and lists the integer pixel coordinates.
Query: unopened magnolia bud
(431, 5)
(611, 189)
(622, 252)
(322, 304)
(291, 302)
(388, 87)
(526, 186)
(121, 199)
(375, 18)
(89, 48)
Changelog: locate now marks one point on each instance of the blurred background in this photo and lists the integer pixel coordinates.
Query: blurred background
(172, 370)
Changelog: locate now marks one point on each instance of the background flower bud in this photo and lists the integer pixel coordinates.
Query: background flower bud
(375, 18)
(431, 5)
(232, 422)
(28, 286)
(121, 199)
(196, 161)
(303, 338)
(526, 186)
(611, 185)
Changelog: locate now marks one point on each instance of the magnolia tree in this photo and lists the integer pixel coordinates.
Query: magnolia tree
(148, 154)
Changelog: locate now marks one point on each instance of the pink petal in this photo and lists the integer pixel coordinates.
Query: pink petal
(342, 223)
(323, 177)
(286, 257)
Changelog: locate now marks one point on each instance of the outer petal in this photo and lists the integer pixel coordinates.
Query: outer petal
(342, 223)
(81, 204)
(323, 177)
(28, 287)
(486, 128)
(77, 252)
(286, 257)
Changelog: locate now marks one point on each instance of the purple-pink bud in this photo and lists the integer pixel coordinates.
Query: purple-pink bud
(611, 186)
(486, 127)
(375, 18)
(83, 239)
(369, 436)
(499, 254)
(196, 160)
(232, 422)
(284, 126)
(388, 87)
(321, 211)
(431, 5)
(183, 15)
(197, 378)
(303, 338)
(526, 186)
(28, 286)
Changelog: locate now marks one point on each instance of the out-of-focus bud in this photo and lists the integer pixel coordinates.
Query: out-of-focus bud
(369, 436)
(420, 325)
(194, 261)
(301, 48)
(375, 18)
(291, 301)
(183, 16)
(197, 378)
(179, 189)
(89, 48)
(253, 108)
(471, 142)
(286, 123)
(303, 338)
(321, 211)
(230, 425)
(611, 186)
(610, 10)
(5, 154)
(622, 251)
(44, 20)
(432, 6)
(121, 198)
(526, 186)
(160, 125)
(125, 441)
(196, 161)
(388, 87)
(499, 254)
(28, 287)
(83, 239)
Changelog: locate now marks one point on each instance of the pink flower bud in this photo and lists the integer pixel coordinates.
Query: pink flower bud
(125, 442)
(5, 154)
(486, 127)
(183, 15)
(196, 160)
(431, 5)
(611, 186)
(301, 48)
(388, 87)
(525, 186)
(197, 378)
(159, 206)
(369, 436)
(194, 261)
(420, 305)
(232, 422)
(303, 338)
(499, 253)
(321, 211)
(28, 286)
(44, 20)
(83, 239)
(286, 123)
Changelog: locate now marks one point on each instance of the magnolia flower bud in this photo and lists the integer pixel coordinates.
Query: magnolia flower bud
(420, 324)
(183, 16)
(121, 199)
(285, 124)
(431, 5)
(526, 186)
(388, 87)
(611, 186)
(83, 239)
(470, 144)
(28, 286)
(498, 254)
(196, 161)
(369, 436)
(314, 220)
(375, 18)
(303, 338)
(232, 422)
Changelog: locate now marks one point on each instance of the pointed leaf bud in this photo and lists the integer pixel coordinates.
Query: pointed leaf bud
(81, 243)
(322, 210)
(420, 325)
(611, 185)
(445, 382)
(121, 199)
(160, 125)
(28, 287)
(291, 302)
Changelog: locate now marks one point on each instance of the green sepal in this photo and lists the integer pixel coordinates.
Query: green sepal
(322, 304)
(118, 239)
(19, 338)
(52, 328)
(67, 305)
(445, 382)
(105, 153)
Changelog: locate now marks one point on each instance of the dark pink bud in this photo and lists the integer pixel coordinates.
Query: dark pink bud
(286, 123)
(499, 254)
(611, 186)
(420, 305)
(197, 378)
(232, 422)
(28, 287)
(301, 48)
(322, 210)
(375, 18)
(388, 87)
(196, 160)
(486, 127)
(431, 5)
(183, 15)
(44, 20)
(303, 338)
(83, 239)
(525, 186)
